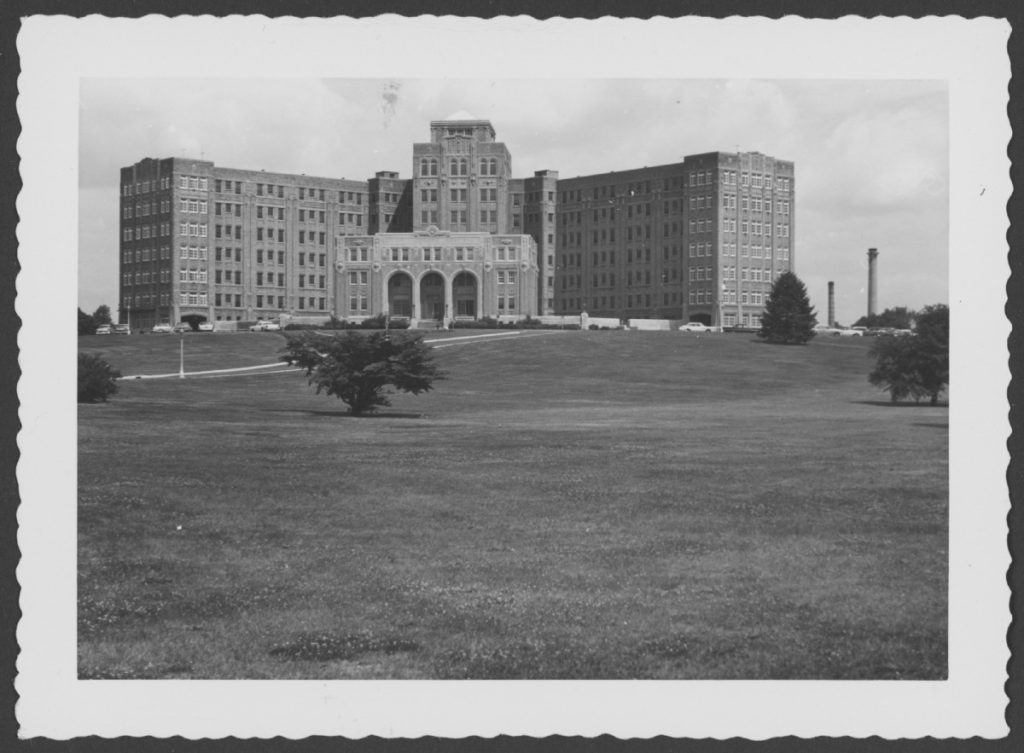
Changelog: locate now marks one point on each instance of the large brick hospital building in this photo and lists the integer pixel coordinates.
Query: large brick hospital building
(697, 240)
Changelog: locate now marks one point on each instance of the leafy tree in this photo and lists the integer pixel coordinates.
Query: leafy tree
(97, 380)
(356, 367)
(788, 316)
(916, 366)
(933, 338)
(86, 324)
(101, 315)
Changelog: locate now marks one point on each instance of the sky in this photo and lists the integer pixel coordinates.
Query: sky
(871, 156)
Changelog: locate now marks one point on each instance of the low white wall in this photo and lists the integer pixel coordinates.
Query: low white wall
(653, 325)
(584, 322)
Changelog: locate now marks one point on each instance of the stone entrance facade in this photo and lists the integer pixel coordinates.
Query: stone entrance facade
(436, 275)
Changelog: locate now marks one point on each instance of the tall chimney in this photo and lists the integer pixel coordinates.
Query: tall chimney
(831, 304)
(872, 280)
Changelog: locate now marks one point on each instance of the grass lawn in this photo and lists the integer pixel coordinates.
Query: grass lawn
(564, 505)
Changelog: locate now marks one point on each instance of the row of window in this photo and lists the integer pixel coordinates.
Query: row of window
(747, 274)
(146, 278)
(145, 254)
(755, 251)
(193, 183)
(458, 166)
(143, 187)
(192, 275)
(144, 232)
(746, 297)
(748, 320)
(191, 206)
(145, 300)
(146, 208)
(304, 193)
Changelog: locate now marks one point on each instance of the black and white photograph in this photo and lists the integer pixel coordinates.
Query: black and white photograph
(598, 391)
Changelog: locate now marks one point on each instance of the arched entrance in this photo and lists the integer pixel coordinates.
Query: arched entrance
(464, 295)
(193, 321)
(400, 295)
(432, 297)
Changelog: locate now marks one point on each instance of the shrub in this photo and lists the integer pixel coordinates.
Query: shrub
(97, 380)
(486, 322)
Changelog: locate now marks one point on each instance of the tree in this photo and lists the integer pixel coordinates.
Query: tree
(357, 367)
(101, 315)
(97, 380)
(933, 339)
(86, 324)
(916, 366)
(788, 317)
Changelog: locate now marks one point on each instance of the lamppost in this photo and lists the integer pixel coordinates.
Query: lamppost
(721, 309)
(181, 355)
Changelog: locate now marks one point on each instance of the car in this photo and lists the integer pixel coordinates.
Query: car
(104, 329)
(849, 332)
(162, 329)
(122, 329)
(206, 326)
(694, 327)
(265, 327)
(181, 328)
(824, 329)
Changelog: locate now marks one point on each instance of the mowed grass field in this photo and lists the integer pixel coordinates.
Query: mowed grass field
(597, 505)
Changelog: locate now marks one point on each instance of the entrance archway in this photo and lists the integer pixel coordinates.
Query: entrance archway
(193, 321)
(464, 295)
(400, 295)
(432, 296)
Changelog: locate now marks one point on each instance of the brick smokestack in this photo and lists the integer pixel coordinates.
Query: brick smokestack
(872, 281)
(831, 304)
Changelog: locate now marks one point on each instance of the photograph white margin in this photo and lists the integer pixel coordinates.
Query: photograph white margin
(57, 52)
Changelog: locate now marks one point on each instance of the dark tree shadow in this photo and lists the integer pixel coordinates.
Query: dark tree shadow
(376, 414)
(902, 403)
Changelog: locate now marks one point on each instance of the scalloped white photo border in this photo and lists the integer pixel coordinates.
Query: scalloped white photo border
(57, 52)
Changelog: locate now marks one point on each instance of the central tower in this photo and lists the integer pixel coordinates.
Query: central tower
(461, 177)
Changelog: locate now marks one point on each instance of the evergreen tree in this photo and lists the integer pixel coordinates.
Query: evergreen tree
(97, 380)
(788, 316)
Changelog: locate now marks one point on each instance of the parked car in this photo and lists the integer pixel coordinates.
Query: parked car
(179, 328)
(164, 329)
(122, 329)
(104, 329)
(206, 326)
(849, 332)
(880, 331)
(695, 327)
(265, 327)
(824, 329)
